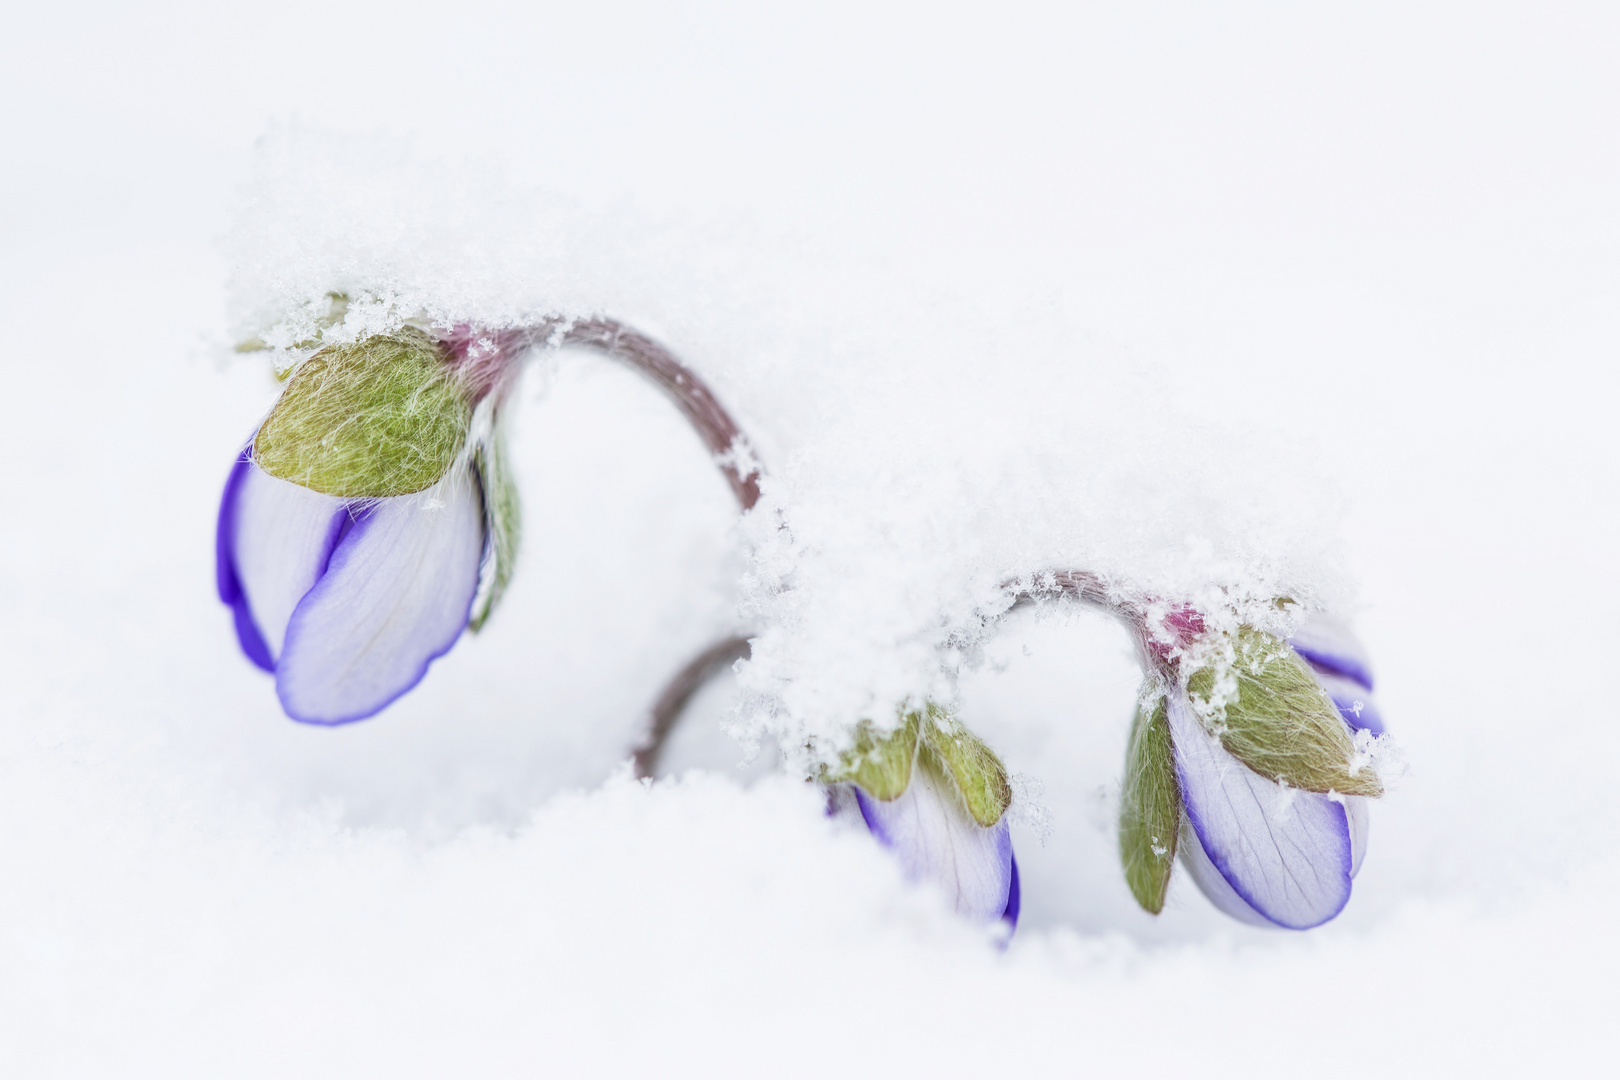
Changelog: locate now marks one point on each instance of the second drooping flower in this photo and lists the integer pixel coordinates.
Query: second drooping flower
(1240, 762)
(936, 796)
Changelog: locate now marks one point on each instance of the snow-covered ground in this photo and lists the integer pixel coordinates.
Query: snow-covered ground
(1324, 300)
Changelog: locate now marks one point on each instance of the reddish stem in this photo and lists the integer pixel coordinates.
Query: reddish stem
(732, 450)
(1083, 585)
(672, 702)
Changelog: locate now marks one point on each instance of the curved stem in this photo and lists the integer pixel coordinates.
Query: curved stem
(673, 701)
(1089, 588)
(732, 450)
(1082, 585)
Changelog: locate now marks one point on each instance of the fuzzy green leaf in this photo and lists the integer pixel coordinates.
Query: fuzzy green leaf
(504, 519)
(880, 765)
(1150, 807)
(380, 417)
(976, 770)
(1271, 714)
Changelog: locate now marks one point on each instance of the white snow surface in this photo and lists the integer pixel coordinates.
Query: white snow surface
(1309, 303)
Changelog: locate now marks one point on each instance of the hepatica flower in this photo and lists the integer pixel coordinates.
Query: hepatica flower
(1248, 758)
(370, 519)
(936, 796)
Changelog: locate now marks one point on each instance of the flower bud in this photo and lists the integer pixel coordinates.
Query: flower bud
(372, 519)
(933, 793)
(1245, 770)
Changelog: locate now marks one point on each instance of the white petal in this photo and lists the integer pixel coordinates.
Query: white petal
(394, 598)
(936, 840)
(1285, 852)
(281, 536)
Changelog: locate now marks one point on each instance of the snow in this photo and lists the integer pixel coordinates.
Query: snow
(1310, 301)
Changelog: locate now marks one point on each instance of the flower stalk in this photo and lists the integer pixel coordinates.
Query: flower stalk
(714, 425)
(677, 693)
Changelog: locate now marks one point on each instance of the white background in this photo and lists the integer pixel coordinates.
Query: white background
(1382, 235)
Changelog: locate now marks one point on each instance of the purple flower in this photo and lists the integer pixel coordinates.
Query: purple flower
(1244, 762)
(369, 521)
(936, 796)
(1263, 852)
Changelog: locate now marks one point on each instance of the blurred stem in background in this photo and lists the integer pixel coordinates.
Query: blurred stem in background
(733, 452)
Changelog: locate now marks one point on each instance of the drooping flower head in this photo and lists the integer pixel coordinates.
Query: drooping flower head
(934, 794)
(371, 517)
(1242, 761)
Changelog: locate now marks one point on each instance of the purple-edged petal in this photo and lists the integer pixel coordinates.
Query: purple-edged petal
(225, 575)
(273, 544)
(1355, 812)
(394, 598)
(1015, 895)
(1216, 889)
(1354, 702)
(1285, 853)
(230, 589)
(248, 636)
(1220, 893)
(1329, 646)
(938, 841)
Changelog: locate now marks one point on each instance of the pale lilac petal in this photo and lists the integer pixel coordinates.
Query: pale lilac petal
(1329, 646)
(937, 841)
(395, 597)
(1355, 811)
(1354, 702)
(1286, 853)
(1210, 882)
(273, 545)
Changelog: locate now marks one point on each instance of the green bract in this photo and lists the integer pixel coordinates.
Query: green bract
(379, 417)
(1150, 806)
(977, 771)
(1271, 714)
(881, 765)
(503, 523)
